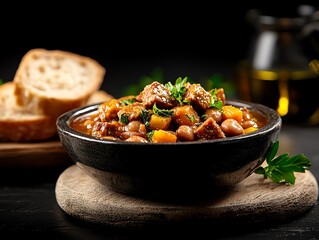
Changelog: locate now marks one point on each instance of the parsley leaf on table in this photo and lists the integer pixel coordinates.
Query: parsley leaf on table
(281, 169)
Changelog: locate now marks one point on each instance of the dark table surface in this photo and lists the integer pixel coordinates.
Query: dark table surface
(28, 207)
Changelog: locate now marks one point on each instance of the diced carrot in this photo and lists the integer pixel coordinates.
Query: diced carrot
(233, 113)
(163, 136)
(158, 122)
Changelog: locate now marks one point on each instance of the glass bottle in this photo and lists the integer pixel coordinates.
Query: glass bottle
(276, 72)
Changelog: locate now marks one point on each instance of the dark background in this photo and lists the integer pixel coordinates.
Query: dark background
(132, 40)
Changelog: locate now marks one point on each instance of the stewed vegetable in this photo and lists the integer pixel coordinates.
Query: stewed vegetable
(169, 112)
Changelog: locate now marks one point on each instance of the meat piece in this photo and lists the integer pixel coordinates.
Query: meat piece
(108, 110)
(102, 129)
(156, 93)
(130, 112)
(209, 130)
(220, 95)
(198, 97)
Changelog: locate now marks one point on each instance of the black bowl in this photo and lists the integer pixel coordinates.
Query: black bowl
(170, 169)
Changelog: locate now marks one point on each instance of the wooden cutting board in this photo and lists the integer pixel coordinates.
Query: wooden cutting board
(38, 154)
(253, 200)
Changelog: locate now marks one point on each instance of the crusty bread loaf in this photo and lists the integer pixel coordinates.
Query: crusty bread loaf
(18, 124)
(51, 82)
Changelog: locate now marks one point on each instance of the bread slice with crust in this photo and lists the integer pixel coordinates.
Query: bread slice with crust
(51, 82)
(18, 124)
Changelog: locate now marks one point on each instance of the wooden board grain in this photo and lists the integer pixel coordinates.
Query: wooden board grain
(38, 154)
(253, 200)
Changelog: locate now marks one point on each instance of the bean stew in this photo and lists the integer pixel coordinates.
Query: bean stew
(169, 112)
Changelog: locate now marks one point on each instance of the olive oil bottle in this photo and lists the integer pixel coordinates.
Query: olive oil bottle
(277, 73)
(292, 93)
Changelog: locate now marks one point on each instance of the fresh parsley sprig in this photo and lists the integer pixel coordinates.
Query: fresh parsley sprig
(281, 169)
(128, 101)
(124, 118)
(214, 101)
(178, 89)
(163, 112)
(144, 116)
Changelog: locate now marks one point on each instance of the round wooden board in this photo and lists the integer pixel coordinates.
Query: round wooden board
(253, 200)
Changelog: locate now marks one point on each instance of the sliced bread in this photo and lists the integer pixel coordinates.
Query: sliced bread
(18, 124)
(51, 82)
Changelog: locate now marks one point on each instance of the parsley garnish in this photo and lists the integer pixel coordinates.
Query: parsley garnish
(214, 101)
(149, 135)
(124, 118)
(128, 101)
(145, 115)
(163, 112)
(191, 117)
(1, 82)
(281, 169)
(178, 89)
